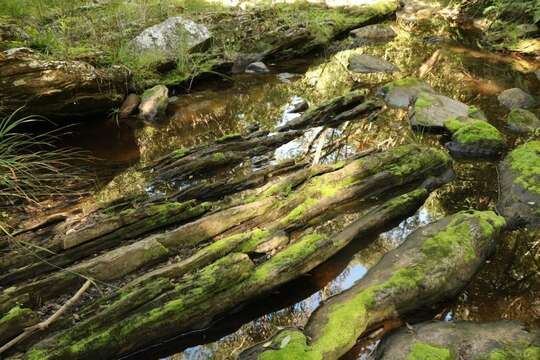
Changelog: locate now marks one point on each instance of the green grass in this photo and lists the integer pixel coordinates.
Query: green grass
(100, 32)
(31, 166)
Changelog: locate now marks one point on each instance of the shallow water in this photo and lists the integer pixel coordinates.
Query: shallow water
(506, 287)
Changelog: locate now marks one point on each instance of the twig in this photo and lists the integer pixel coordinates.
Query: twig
(45, 324)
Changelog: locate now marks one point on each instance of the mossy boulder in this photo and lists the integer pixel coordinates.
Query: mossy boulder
(373, 34)
(494, 340)
(431, 111)
(435, 262)
(474, 138)
(401, 93)
(523, 121)
(154, 103)
(519, 198)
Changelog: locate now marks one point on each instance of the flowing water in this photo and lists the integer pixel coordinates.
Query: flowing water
(507, 287)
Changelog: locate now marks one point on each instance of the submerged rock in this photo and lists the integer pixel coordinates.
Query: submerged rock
(257, 68)
(519, 196)
(58, 88)
(243, 60)
(172, 37)
(471, 340)
(401, 93)
(362, 63)
(434, 263)
(129, 106)
(516, 98)
(153, 104)
(373, 34)
(523, 121)
(471, 137)
(431, 111)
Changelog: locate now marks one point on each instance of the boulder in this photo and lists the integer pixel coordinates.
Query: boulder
(172, 37)
(522, 121)
(362, 63)
(471, 340)
(257, 67)
(474, 138)
(519, 176)
(516, 98)
(401, 93)
(373, 34)
(431, 111)
(58, 88)
(129, 106)
(153, 104)
(243, 60)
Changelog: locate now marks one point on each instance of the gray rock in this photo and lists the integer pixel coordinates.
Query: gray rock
(523, 121)
(373, 34)
(243, 60)
(363, 63)
(519, 178)
(257, 68)
(471, 340)
(516, 98)
(129, 106)
(297, 105)
(172, 36)
(153, 104)
(431, 111)
(401, 93)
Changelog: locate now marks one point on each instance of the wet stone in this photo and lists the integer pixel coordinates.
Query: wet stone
(431, 111)
(257, 68)
(297, 105)
(471, 340)
(516, 98)
(523, 121)
(401, 93)
(153, 104)
(362, 63)
(373, 34)
(129, 106)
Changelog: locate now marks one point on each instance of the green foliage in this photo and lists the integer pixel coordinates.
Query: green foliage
(31, 166)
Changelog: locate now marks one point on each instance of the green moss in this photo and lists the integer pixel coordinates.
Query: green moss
(296, 344)
(414, 158)
(473, 131)
(405, 82)
(423, 101)
(253, 239)
(515, 351)
(522, 118)
(219, 156)
(180, 153)
(525, 161)
(14, 313)
(423, 351)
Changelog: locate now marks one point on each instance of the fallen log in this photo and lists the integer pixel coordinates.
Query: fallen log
(264, 239)
(433, 263)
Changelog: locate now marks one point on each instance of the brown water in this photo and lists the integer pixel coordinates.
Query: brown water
(507, 287)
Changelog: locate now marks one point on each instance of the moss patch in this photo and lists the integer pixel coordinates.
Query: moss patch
(472, 132)
(525, 161)
(423, 351)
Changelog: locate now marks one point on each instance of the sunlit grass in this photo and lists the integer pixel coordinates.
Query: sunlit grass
(32, 167)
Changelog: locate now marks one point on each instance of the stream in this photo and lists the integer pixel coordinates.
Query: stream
(507, 287)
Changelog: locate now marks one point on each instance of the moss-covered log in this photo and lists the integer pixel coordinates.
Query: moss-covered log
(443, 340)
(15, 321)
(433, 263)
(275, 224)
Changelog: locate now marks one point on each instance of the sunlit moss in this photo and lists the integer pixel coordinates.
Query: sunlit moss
(423, 351)
(525, 161)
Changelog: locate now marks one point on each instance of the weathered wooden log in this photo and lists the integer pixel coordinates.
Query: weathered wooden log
(230, 151)
(270, 225)
(96, 233)
(434, 262)
(15, 321)
(462, 339)
(58, 88)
